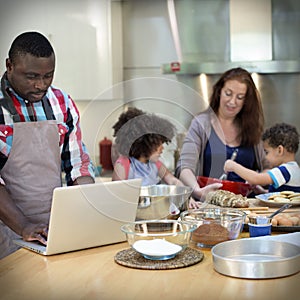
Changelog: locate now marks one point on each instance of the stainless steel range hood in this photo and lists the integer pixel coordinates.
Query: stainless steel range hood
(250, 41)
(262, 67)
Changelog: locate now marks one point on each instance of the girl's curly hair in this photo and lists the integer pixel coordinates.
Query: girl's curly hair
(139, 134)
(282, 134)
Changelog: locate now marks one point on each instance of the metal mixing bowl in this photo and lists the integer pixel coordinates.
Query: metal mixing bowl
(162, 201)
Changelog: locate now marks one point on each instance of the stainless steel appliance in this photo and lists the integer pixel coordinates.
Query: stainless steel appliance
(261, 36)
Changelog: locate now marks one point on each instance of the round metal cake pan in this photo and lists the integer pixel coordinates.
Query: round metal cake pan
(256, 258)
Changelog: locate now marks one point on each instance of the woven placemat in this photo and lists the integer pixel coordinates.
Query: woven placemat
(132, 259)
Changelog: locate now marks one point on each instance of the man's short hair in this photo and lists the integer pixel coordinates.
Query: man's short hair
(33, 43)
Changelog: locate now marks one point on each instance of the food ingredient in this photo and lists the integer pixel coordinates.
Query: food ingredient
(282, 219)
(156, 247)
(226, 199)
(210, 234)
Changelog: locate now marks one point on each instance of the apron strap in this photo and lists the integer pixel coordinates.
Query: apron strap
(48, 109)
(7, 103)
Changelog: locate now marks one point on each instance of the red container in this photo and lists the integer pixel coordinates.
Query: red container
(231, 186)
(105, 154)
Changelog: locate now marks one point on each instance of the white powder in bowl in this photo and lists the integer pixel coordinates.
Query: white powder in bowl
(156, 247)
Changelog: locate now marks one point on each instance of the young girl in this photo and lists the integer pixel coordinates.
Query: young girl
(139, 140)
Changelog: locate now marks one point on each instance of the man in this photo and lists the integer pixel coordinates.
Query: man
(40, 136)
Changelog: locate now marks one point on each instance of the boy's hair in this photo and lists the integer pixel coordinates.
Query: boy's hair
(33, 43)
(138, 134)
(282, 134)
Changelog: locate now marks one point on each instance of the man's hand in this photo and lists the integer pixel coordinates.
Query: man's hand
(35, 232)
(84, 180)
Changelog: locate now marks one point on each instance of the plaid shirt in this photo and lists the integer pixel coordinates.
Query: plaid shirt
(56, 105)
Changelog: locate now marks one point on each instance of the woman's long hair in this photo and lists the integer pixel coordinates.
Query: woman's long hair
(251, 118)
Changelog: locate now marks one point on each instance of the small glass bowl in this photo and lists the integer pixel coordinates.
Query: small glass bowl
(214, 225)
(158, 239)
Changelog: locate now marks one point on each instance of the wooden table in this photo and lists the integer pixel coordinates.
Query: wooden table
(93, 274)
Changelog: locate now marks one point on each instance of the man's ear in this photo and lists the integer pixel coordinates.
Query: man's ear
(8, 64)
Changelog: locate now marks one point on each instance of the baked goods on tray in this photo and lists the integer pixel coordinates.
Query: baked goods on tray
(227, 199)
(285, 196)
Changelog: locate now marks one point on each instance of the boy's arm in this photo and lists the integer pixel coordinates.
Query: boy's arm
(250, 176)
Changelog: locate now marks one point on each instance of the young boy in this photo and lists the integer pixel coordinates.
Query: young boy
(281, 143)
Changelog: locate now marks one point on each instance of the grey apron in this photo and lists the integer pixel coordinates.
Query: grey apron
(32, 171)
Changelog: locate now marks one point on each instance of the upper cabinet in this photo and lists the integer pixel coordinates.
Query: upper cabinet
(86, 36)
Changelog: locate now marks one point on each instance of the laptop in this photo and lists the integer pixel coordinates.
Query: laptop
(85, 216)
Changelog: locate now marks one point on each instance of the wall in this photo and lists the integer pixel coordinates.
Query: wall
(139, 37)
(81, 34)
(205, 31)
(148, 43)
(87, 38)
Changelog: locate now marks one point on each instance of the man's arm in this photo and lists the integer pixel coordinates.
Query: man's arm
(74, 152)
(13, 217)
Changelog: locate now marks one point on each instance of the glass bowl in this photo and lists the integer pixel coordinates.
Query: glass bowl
(158, 239)
(214, 225)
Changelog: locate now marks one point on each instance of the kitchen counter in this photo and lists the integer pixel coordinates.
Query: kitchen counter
(93, 274)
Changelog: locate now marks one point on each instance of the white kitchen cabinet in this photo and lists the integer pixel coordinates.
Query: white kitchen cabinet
(83, 34)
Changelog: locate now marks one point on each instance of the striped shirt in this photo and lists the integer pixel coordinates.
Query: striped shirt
(56, 105)
(286, 177)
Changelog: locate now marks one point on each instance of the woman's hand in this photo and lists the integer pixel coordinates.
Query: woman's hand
(200, 193)
(194, 204)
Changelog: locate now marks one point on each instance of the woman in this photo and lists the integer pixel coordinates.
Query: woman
(233, 121)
